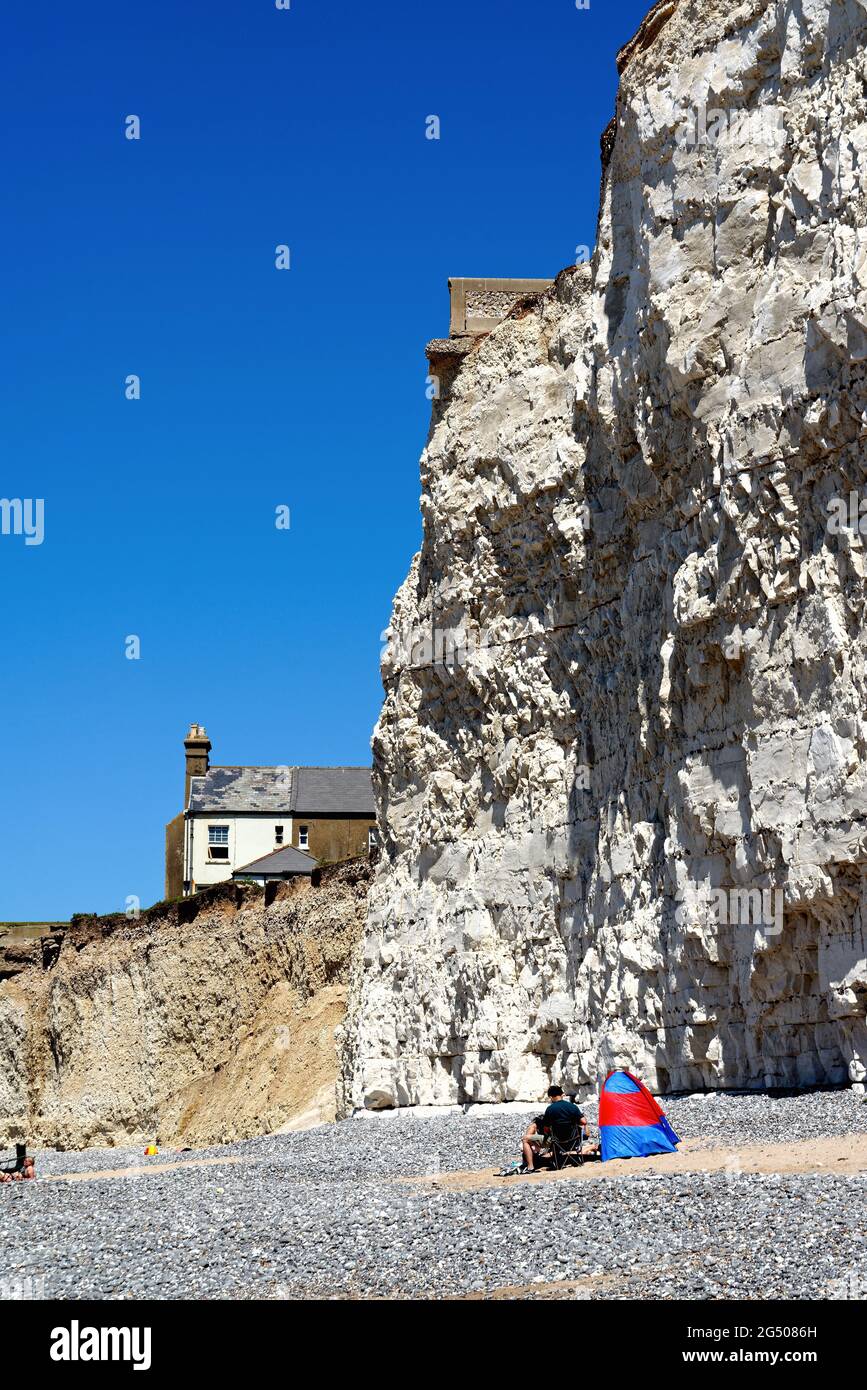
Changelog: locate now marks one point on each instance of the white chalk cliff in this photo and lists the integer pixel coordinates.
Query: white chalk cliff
(655, 692)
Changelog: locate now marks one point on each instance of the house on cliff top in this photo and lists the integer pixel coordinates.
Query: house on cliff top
(237, 820)
(476, 307)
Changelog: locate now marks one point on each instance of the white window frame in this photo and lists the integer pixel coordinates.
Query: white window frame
(221, 843)
(304, 837)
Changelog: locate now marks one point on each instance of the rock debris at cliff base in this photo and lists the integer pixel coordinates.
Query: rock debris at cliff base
(656, 690)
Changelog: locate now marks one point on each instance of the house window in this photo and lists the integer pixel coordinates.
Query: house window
(278, 834)
(303, 842)
(372, 837)
(218, 842)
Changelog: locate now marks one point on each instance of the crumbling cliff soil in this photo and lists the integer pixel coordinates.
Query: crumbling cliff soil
(206, 1020)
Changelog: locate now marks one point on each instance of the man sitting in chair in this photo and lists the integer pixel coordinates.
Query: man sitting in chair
(559, 1119)
(562, 1116)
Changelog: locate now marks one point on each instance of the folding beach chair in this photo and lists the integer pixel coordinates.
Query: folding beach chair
(566, 1147)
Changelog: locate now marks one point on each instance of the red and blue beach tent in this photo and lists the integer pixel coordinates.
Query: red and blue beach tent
(631, 1123)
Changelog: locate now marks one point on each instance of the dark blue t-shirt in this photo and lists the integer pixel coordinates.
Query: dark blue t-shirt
(562, 1116)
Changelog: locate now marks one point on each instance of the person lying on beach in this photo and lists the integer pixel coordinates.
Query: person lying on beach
(18, 1174)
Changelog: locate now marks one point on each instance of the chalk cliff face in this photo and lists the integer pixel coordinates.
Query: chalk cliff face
(205, 1021)
(654, 693)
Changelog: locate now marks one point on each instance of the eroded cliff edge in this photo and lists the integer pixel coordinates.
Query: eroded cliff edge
(656, 684)
(203, 1021)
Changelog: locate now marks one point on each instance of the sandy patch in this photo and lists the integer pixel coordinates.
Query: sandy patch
(137, 1170)
(846, 1155)
(544, 1290)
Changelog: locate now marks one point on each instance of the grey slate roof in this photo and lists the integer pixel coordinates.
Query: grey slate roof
(242, 789)
(281, 861)
(283, 790)
(324, 789)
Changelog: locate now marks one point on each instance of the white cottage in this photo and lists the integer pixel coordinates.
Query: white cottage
(234, 817)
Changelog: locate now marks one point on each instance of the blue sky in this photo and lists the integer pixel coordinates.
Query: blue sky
(259, 387)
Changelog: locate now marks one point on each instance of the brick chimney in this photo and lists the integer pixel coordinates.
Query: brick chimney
(197, 746)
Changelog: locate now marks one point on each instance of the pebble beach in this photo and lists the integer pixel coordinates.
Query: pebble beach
(363, 1209)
